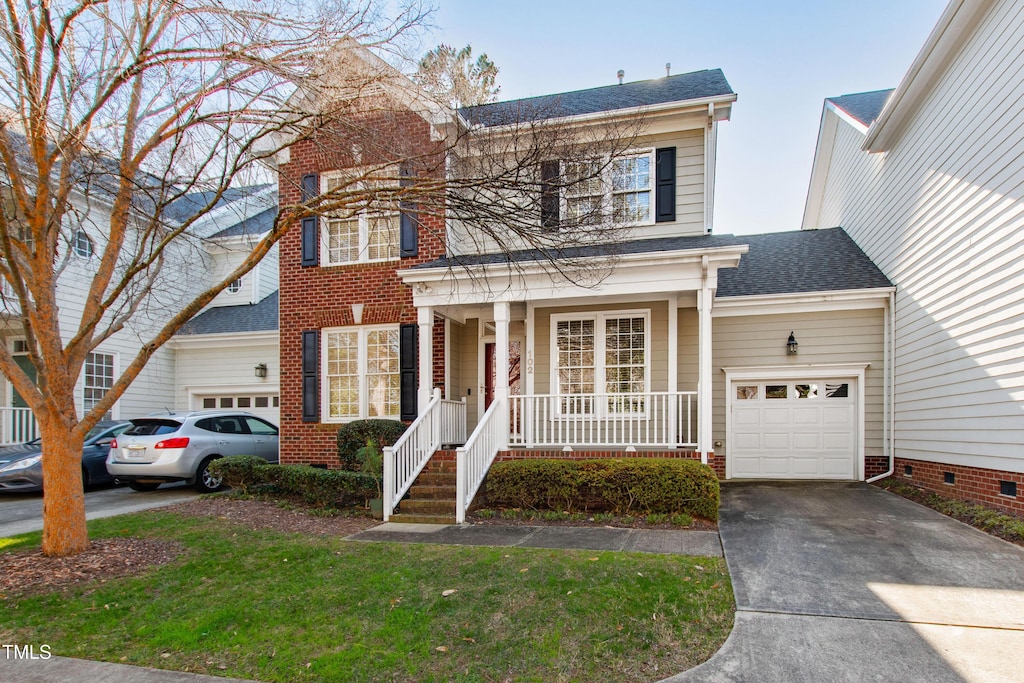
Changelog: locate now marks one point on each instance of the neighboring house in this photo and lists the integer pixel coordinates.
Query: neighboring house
(927, 179)
(204, 255)
(682, 350)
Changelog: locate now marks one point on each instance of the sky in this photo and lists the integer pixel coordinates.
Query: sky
(782, 58)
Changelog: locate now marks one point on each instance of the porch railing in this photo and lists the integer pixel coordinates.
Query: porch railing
(474, 459)
(653, 419)
(17, 425)
(441, 422)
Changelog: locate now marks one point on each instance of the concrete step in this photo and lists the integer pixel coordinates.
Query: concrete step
(421, 492)
(430, 507)
(407, 518)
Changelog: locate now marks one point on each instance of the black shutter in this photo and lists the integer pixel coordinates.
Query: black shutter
(311, 225)
(408, 357)
(311, 376)
(665, 185)
(408, 220)
(549, 171)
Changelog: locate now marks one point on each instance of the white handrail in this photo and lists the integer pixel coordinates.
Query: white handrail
(17, 425)
(474, 459)
(440, 422)
(656, 419)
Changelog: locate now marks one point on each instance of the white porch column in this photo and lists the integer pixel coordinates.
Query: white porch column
(704, 372)
(502, 316)
(673, 370)
(425, 321)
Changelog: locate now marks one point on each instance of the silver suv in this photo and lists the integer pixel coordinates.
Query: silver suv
(180, 447)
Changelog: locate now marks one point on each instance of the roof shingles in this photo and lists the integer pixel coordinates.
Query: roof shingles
(258, 317)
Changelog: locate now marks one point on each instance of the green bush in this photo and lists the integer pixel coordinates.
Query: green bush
(354, 436)
(240, 472)
(621, 485)
(320, 488)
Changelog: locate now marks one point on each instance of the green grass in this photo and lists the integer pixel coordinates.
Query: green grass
(288, 607)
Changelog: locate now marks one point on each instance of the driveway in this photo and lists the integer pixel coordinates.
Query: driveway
(846, 582)
(21, 513)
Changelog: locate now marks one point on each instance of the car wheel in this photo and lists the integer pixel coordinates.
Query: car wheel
(206, 482)
(142, 485)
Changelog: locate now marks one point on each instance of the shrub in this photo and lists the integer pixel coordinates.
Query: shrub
(354, 436)
(240, 472)
(621, 485)
(320, 488)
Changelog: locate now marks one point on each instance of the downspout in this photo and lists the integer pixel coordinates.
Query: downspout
(889, 407)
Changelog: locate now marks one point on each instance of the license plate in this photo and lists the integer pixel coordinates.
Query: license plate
(135, 452)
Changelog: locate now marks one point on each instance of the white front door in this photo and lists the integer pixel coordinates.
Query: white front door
(793, 428)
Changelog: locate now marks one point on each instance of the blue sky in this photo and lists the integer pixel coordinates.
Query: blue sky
(782, 58)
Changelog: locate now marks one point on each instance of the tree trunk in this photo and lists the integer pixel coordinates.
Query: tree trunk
(64, 530)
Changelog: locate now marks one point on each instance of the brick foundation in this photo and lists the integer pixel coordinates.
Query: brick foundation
(974, 484)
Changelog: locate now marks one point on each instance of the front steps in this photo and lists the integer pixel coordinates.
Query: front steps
(431, 499)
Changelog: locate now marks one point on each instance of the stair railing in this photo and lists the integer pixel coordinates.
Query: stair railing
(440, 422)
(474, 459)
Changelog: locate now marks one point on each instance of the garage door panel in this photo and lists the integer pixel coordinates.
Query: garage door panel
(812, 437)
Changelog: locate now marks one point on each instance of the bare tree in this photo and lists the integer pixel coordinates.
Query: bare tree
(111, 113)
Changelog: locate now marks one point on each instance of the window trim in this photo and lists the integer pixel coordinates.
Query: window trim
(363, 219)
(600, 360)
(80, 232)
(607, 196)
(362, 367)
(114, 360)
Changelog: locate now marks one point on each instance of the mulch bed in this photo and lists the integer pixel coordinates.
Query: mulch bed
(263, 514)
(29, 572)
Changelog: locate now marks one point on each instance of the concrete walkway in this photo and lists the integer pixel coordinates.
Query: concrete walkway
(846, 582)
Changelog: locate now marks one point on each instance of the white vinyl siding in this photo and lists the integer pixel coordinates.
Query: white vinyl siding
(941, 213)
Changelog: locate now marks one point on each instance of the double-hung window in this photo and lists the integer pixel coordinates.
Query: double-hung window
(99, 379)
(362, 377)
(620, 189)
(603, 354)
(359, 236)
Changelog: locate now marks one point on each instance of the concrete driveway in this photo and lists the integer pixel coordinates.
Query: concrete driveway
(846, 582)
(21, 513)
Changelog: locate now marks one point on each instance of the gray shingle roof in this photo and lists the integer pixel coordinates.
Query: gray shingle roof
(259, 317)
(678, 88)
(800, 261)
(776, 263)
(253, 225)
(188, 205)
(863, 106)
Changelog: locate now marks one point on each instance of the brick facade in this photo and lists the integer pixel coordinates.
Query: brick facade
(316, 297)
(975, 484)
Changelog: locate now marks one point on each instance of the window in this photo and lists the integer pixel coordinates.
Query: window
(605, 353)
(362, 373)
(359, 237)
(81, 244)
(596, 190)
(99, 378)
(235, 286)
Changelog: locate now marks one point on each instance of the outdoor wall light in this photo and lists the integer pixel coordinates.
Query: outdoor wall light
(791, 345)
(261, 369)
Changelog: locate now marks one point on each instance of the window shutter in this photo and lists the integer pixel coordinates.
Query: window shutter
(549, 194)
(665, 185)
(311, 376)
(310, 226)
(407, 363)
(408, 220)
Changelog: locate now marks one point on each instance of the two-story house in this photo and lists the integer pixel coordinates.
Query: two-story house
(927, 179)
(762, 356)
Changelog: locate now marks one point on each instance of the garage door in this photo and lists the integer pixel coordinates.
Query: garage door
(266, 406)
(793, 429)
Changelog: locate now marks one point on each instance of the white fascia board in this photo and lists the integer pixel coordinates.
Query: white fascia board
(695, 106)
(648, 273)
(953, 29)
(807, 302)
(225, 339)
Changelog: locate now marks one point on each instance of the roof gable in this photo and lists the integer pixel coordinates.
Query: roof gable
(863, 106)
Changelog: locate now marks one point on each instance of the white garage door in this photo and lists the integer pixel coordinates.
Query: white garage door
(266, 406)
(793, 429)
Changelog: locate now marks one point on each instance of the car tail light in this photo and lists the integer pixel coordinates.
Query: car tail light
(113, 443)
(176, 442)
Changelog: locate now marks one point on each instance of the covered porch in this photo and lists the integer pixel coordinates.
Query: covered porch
(541, 362)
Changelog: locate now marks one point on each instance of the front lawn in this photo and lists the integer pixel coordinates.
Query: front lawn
(290, 607)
